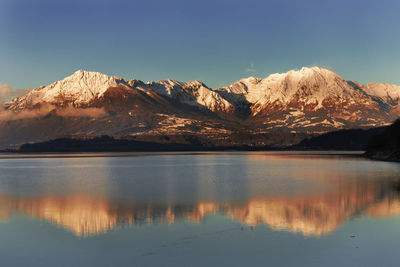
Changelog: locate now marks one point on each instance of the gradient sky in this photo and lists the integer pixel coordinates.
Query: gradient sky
(215, 41)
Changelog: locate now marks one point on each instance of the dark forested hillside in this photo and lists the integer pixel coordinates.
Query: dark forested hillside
(386, 146)
(353, 139)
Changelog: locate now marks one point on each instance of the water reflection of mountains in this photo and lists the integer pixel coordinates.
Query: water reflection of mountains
(309, 215)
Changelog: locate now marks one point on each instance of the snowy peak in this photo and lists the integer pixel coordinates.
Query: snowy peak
(295, 99)
(78, 89)
(283, 86)
(92, 77)
(313, 96)
(194, 93)
(83, 87)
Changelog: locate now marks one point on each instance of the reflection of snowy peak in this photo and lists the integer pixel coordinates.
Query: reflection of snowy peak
(310, 215)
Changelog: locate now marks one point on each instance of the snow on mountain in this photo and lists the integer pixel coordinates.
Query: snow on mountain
(389, 93)
(307, 87)
(82, 87)
(309, 98)
(78, 89)
(313, 98)
(192, 93)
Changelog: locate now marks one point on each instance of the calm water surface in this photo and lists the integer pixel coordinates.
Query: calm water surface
(196, 209)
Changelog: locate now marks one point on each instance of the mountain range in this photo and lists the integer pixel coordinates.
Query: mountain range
(306, 101)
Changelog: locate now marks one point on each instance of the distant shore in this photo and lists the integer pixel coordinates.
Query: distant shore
(342, 140)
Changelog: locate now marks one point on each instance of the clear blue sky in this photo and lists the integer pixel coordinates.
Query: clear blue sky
(216, 41)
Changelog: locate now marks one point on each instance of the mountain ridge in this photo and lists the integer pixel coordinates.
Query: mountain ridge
(86, 85)
(310, 100)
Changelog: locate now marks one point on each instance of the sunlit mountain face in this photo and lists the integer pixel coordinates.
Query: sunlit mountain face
(86, 103)
(309, 215)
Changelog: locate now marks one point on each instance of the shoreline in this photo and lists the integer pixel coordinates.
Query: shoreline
(17, 155)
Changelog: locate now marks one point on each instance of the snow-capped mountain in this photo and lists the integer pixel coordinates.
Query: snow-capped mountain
(91, 103)
(193, 93)
(313, 97)
(310, 87)
(79, 89)
(83, 87)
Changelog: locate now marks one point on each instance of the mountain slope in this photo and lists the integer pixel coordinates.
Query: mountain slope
(79, 89)
(309, 100)
(313, 99)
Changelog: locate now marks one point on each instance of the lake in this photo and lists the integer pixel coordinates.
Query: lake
(199, 209)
